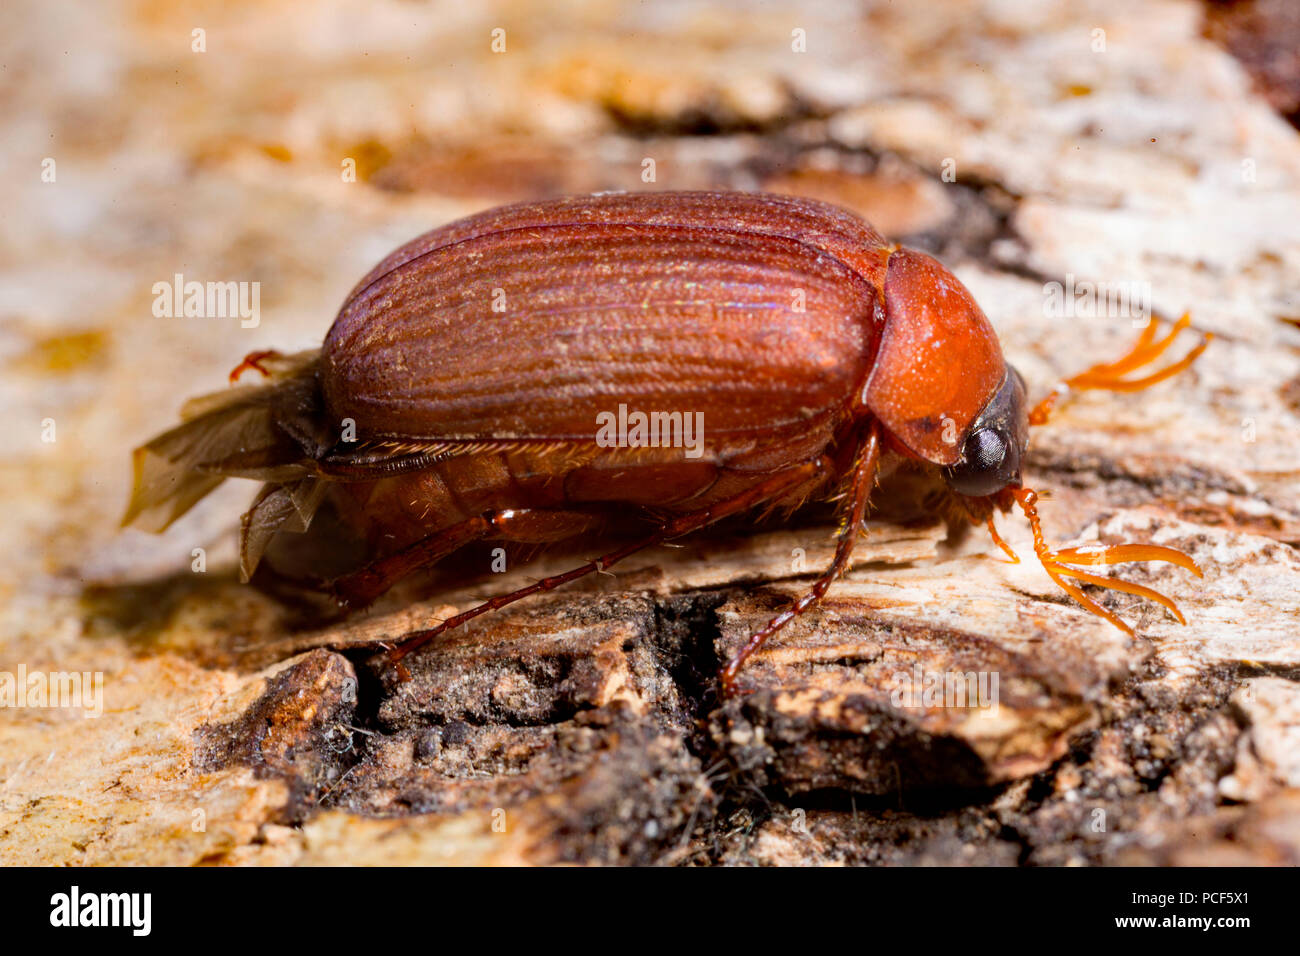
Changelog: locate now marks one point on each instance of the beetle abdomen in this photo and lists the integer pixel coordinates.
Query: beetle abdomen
(528, 322)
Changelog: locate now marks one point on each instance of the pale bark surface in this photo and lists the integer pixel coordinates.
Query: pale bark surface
(584, 726)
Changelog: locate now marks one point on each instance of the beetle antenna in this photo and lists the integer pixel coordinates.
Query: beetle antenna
(1057, 564)
(1110, 375)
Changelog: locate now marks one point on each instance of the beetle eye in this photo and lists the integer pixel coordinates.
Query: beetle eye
(994, 443)
(985, 467)
(986, 450)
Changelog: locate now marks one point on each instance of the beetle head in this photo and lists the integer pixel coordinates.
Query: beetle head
(994, 444)
(939, 383)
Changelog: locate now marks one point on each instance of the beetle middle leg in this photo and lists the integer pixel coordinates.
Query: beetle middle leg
(864, 478)
(771, 489)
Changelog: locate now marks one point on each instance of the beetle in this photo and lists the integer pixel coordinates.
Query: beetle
(459, 393)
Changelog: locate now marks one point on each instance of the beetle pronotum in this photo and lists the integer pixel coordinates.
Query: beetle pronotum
(475, 362)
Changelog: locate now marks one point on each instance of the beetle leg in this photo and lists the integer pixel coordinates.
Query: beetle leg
(363, 586)
(254, 360)
(997, 539)
(864, 477)
(1110, 375)
(770, 489)
(1057, 564)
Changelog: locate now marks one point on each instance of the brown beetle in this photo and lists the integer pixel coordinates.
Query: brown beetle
(460, 394)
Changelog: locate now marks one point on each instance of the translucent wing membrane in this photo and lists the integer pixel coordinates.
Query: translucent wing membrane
(238, 432)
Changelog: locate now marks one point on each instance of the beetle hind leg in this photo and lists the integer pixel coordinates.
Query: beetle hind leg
(255, 361)
(772, 488)
(363, 587)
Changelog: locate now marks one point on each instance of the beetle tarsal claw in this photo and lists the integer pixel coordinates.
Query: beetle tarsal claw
(1110, 375)
(399, 666)
(1059, 565)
